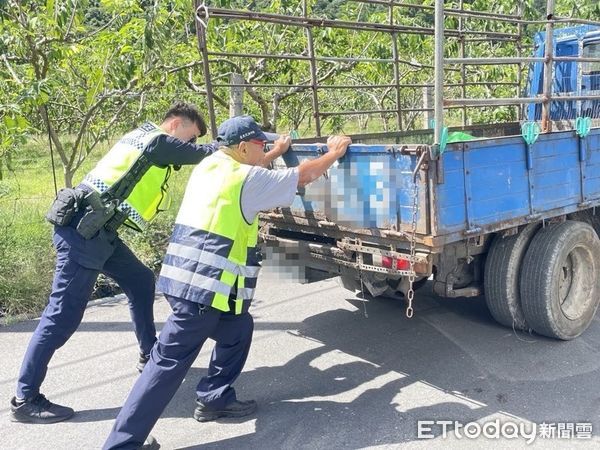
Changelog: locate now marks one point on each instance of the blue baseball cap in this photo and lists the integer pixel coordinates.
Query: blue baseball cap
(242, 128)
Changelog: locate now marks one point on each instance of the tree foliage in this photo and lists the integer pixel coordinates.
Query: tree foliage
(80, 70)
(74, 68)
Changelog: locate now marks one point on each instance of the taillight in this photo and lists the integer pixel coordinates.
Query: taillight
(401, 264)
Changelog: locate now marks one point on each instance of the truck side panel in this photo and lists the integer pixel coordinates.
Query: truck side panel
(496, 174)
(556, 177)
(371, 187)
(450, 207)
(592, 166)
(488, 183)
(496, 180)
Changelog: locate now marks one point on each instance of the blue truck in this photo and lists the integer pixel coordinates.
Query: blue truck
(507, 212)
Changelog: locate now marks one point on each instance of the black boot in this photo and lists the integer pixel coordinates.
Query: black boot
(38, 410)
(234, 409)
(142, 362)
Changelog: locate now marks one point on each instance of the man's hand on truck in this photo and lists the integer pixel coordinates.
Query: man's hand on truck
(312, 169)
(280, 146)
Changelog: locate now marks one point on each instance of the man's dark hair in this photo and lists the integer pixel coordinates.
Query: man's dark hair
(188, 111)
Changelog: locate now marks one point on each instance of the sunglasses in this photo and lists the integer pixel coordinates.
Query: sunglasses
(258, 142)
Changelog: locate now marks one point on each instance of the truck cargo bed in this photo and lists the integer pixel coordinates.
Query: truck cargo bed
(475, 187)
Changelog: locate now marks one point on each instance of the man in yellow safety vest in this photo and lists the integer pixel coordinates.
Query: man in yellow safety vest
(209, 276)
(128, 186)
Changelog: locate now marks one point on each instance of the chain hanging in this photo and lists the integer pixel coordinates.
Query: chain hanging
(410, 295)
(362, 288)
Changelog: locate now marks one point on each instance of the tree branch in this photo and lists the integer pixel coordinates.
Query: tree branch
(71, 20)
(183, 67)
(97, 138)
(226, 61)
(48, 40)
(11, 71)
(53, 135)
(66, 105)
(306, 84)
(195, 88)
(132, 83)
(264, 107)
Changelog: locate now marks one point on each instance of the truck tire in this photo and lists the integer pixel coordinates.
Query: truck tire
(502, 274)
(560, 279)
(587, 216)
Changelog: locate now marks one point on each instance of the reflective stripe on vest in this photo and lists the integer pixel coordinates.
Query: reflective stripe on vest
(147, 196)
(213, 249)
(195, 279)
(212, 259)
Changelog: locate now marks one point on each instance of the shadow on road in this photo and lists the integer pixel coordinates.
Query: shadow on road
(451, 358)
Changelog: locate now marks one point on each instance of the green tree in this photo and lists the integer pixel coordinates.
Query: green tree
(77, 68)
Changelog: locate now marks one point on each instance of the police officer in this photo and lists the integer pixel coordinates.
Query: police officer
(209, 275)
(80, 260)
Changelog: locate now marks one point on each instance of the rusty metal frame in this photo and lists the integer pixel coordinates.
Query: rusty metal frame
(393, 29)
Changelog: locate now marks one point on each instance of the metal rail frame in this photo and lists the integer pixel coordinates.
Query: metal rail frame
(440, 66)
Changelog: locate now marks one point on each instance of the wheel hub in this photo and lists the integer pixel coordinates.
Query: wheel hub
(575, 283)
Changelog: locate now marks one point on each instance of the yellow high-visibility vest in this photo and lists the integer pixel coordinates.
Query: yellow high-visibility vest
(149, 195)
(213, 249)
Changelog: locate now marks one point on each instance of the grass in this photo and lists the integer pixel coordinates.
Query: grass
(26, 254)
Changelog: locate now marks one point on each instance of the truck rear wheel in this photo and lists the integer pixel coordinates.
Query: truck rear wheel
(501, 278)
(560, 279)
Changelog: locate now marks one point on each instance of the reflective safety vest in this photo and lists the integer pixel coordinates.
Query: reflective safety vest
(149, 195)
(213, 250)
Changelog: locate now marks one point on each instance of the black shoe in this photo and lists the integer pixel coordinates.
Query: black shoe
(150, 443)
(38, 410)
(235, 409)
(142, 362)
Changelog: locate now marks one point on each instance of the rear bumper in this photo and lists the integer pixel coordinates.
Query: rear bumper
(346, 257)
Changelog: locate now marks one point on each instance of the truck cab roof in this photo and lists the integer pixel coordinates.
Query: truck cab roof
(583, 40)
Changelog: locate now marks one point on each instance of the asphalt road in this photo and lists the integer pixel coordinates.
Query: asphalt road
(331, 371)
